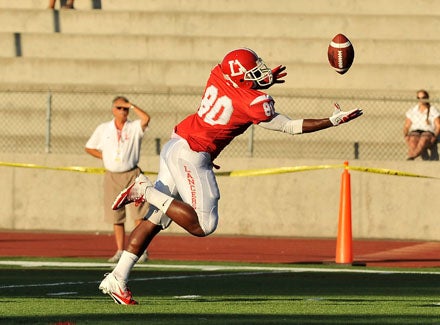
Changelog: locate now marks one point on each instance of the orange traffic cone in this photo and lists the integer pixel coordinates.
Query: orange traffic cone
(344, 252)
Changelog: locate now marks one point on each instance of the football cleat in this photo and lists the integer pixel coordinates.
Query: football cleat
(133, 193)
(116, 289)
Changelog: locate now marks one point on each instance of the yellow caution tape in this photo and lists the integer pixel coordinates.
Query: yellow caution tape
(272, 171)
(386, 172)
(90, 170)
(237, 173)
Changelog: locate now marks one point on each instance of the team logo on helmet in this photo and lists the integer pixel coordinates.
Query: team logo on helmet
(236, 68)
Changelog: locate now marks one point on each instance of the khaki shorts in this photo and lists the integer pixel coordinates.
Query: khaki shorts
(114, 183)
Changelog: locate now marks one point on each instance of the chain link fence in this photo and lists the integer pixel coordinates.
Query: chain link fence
(61, 123)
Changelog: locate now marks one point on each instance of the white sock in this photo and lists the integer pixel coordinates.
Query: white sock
(124, 266)
(160, 200)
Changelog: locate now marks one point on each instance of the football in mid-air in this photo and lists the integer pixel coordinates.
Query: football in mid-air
(340, 53)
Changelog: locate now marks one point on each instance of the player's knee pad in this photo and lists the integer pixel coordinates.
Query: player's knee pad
(157, 217)
(209, 221)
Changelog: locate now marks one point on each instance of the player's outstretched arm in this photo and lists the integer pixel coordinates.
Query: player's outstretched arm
(338, 117)
(284, 124)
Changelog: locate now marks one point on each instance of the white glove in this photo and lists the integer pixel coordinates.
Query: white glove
(340, 117)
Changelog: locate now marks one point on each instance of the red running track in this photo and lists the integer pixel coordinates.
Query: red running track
(384, 253)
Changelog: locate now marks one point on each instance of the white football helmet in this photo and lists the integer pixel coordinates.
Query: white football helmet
(245, 69)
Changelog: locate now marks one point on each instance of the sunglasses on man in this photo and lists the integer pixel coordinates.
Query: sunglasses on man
(125, 109)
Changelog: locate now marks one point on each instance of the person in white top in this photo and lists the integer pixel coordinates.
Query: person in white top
(421, 129)
(118, 144)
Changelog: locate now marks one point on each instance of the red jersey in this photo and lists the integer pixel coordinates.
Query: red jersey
(224, 113)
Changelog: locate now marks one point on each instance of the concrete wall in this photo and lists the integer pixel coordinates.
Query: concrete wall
(304, 204)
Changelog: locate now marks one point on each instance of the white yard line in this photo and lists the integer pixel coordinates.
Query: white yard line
(243, 270)
(202, 267)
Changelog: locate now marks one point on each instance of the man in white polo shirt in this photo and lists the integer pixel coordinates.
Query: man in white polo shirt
(118, 144)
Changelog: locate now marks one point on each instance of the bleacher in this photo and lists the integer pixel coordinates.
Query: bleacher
(174, 43)
(170, 46)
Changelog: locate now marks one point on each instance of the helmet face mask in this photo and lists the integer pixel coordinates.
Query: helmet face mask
(245, 69)
(261, 74)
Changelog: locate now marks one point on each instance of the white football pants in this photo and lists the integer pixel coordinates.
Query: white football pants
(187, 175)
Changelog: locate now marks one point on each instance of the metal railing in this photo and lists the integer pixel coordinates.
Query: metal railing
(61, 123)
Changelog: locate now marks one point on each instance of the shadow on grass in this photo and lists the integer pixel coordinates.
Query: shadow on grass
(60, 296)
(212, 319)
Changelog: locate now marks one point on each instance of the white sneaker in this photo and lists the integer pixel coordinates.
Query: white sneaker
(133, 193)
(115, 258)
(116, 289)
(143, 258)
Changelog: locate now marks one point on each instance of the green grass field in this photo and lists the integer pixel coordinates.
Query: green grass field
(193, 293)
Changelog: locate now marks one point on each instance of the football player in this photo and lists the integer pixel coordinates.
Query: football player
(186, 190)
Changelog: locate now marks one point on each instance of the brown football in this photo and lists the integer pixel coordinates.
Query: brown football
(340, 53)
